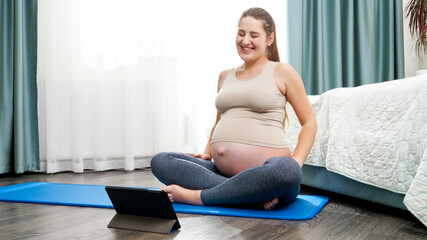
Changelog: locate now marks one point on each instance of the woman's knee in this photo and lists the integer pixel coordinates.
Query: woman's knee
(160, 161)
(287, 170)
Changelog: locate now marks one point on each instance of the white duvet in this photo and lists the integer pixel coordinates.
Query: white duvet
(375, 134)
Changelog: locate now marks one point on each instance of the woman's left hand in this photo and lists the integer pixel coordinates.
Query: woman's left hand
(300, 162)
(201, 155)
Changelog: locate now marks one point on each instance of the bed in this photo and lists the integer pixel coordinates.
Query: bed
(371, 143)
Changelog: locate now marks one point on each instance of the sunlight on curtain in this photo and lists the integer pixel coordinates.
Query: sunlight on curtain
(119, 81)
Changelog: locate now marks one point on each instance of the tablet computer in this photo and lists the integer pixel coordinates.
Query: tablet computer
(142, 209)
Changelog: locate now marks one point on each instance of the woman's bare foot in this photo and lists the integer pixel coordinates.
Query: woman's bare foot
(269, 205)
(179, 194)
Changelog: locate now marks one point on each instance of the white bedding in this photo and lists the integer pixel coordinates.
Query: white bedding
(375, 134)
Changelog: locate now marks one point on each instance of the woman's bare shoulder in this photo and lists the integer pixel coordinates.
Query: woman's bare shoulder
(285, 68)
(223, 74)
(287, 73)
(222, 77)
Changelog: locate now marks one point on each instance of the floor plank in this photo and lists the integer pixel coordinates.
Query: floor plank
(342, 218)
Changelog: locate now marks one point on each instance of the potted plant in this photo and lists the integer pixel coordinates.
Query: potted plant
(416, 11)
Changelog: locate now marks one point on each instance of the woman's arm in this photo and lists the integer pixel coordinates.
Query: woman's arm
(208, 144)
(292, 85)
(207, 154)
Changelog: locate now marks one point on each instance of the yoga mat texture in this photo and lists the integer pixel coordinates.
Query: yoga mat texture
(305, 207)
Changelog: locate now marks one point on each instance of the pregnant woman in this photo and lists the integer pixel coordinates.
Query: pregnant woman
(246, 159)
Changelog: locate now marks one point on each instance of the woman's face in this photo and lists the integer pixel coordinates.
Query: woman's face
(252, 40)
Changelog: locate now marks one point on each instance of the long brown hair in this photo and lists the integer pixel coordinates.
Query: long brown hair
(269, 27)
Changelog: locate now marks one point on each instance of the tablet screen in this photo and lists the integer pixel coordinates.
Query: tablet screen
(140, 201)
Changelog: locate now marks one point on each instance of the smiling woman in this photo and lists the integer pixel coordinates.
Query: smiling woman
(246, 159)
(121, 82)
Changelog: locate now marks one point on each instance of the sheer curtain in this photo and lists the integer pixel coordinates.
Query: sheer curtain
(119, 81)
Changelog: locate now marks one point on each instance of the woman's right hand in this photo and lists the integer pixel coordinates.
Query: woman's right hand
(201, 155)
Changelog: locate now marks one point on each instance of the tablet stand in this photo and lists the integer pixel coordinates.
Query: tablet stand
(146, 224)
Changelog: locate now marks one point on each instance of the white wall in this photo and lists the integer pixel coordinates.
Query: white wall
(412, 61)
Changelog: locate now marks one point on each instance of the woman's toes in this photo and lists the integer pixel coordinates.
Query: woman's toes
(269, 205)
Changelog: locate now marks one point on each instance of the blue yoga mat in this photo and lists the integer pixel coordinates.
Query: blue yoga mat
(305, 207)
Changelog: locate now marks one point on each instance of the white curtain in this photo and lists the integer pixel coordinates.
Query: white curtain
(121, 80)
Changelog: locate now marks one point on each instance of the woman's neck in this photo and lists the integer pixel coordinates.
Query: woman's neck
(254, 65)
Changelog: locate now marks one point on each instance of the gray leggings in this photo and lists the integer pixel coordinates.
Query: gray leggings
(278, 177)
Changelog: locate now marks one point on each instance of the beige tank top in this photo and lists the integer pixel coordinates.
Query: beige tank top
(252, 111)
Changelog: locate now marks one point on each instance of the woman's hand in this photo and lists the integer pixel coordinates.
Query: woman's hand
(299, 161)
(201, 155)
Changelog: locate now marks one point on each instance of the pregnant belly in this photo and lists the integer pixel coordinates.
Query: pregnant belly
(231, 157)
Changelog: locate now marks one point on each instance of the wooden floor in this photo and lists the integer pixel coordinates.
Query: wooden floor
(342, 218)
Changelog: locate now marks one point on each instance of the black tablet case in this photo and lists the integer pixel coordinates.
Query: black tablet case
(142, 210)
